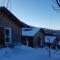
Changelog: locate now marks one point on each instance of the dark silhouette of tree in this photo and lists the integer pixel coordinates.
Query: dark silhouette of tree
(56, 5)
(58, 2)
(42, 31)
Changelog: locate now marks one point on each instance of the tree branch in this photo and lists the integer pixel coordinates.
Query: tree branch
(58, 2)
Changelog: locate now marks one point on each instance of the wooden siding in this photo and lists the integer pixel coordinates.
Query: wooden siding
(29, 40)
(2, 42)
(39, 40)
(6, 22)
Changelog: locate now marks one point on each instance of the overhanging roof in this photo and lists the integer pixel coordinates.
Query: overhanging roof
(14, 18)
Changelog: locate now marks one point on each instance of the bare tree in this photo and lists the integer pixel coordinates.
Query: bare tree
(56, 5)
(58, 2)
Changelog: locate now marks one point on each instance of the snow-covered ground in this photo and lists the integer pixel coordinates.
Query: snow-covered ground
(27, 53)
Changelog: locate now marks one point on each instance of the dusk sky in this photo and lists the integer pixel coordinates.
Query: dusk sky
(37, 13)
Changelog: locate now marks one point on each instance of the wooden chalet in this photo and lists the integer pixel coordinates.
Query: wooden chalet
(10, 28)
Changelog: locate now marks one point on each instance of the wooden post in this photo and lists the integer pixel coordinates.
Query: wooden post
(27, 42)
(41, 41)
(49, 49)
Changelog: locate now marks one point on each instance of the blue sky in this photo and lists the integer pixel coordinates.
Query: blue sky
(37, 13)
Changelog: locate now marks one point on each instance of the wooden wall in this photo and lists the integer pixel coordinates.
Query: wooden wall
(1, 36)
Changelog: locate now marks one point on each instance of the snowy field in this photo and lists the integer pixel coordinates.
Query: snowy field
(26, 53)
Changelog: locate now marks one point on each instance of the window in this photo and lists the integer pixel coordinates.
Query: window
(7, 32)
(7, 39)
(7, 35)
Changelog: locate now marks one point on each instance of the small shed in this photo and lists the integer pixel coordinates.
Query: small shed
(32, 37)
(52, 37)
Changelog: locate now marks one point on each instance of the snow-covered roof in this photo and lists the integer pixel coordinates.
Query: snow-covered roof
(29, 31)
(54, 32)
